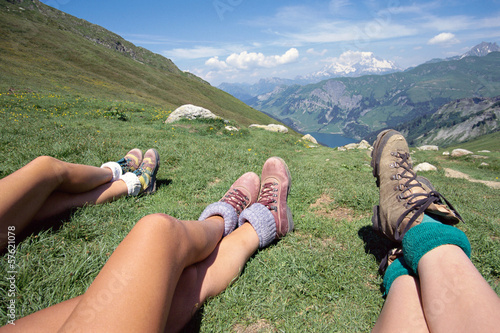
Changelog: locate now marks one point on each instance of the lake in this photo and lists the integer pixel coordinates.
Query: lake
(332, 140)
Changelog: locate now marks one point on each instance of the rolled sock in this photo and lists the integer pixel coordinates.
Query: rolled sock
(262, 220)
(395, 270)
(428, 219)
(427, 236)
(225, 210)
(116, 169)
(132, 182)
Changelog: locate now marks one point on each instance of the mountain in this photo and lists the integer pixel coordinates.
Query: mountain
(455, 122)
(353, 64)
(357, 106)
(45, 50)
(481, 50)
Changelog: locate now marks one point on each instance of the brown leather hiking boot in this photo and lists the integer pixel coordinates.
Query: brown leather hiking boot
(275, 186)
(243, 192)
(403, 199)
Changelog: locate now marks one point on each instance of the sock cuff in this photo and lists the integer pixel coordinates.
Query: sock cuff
(225, 210)
(395, 270)
(133, 183)
(116, 169)
(427, 236)
(262, 220)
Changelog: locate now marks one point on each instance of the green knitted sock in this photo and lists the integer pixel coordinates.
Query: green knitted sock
(427, 236)
(395, 270)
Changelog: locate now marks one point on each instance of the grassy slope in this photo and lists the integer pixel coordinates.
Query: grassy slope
(40, 53)
(322, 277)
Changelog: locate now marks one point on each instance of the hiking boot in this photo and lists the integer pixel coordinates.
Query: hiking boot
(147, 171)
(243, 192)
(403, 198)
(131, 161)
(275, 186)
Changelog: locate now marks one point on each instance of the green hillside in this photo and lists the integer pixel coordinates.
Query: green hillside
(320, 278)
(45, 50)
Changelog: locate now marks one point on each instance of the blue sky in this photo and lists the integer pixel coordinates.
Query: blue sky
(245, 40)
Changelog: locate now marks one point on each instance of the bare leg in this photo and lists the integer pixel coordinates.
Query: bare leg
(30, 187)
(402, 311)
(134, 290)
(455, 296)
(210, 277)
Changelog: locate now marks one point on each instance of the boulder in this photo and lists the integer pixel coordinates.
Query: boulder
(460, 152)
(484, 151)
(446, 153)
(428, 147)
(271, 128)
(424, 167)
(309, 137)
(190, 112)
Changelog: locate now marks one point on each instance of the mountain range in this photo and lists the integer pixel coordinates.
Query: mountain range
(358, 106)
(348, 64)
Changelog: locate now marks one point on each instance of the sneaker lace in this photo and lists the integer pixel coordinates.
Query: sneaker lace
(237, 199)
(268, 196)
(415, 202)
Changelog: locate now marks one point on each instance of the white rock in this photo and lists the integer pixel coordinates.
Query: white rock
(231, 129)
(363, 144)
(271, 127)
(190, 112)
(460, 152)
(424, 167)
(484, 164)
(446, 153)
(351, 146)
(428, 147)
(484, 151)
(309, 137)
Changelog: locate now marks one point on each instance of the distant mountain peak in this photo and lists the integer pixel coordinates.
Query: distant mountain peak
(481, 50)
(353, 64)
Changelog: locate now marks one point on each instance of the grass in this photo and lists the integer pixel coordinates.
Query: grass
(322, 277)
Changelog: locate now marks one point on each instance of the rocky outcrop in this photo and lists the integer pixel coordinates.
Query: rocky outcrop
(363, 144)
(190, 112)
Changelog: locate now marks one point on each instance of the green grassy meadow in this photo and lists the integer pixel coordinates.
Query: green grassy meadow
(322, 277)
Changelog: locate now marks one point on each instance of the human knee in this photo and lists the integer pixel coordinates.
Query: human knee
(159, 224)
(49, 166)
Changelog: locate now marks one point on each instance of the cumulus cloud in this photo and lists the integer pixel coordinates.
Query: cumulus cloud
(247, 60)
(444, 38)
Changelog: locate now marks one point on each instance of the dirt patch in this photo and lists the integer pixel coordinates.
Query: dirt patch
(320, 208)
(260, 326)
(457, 174)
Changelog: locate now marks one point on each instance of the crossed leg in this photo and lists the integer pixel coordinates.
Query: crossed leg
(46, 187)
(157, 277)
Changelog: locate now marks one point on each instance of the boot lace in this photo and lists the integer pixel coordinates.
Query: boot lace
(415, 202)
(268, 196)
(237, 199)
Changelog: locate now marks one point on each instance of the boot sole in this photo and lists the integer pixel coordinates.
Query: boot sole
(288, 210)
(152, 187)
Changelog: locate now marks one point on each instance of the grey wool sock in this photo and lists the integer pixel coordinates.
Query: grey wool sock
(225, 210)
(262, 220)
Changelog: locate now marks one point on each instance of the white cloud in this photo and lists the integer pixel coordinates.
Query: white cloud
(444, 38)
(248, 60)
